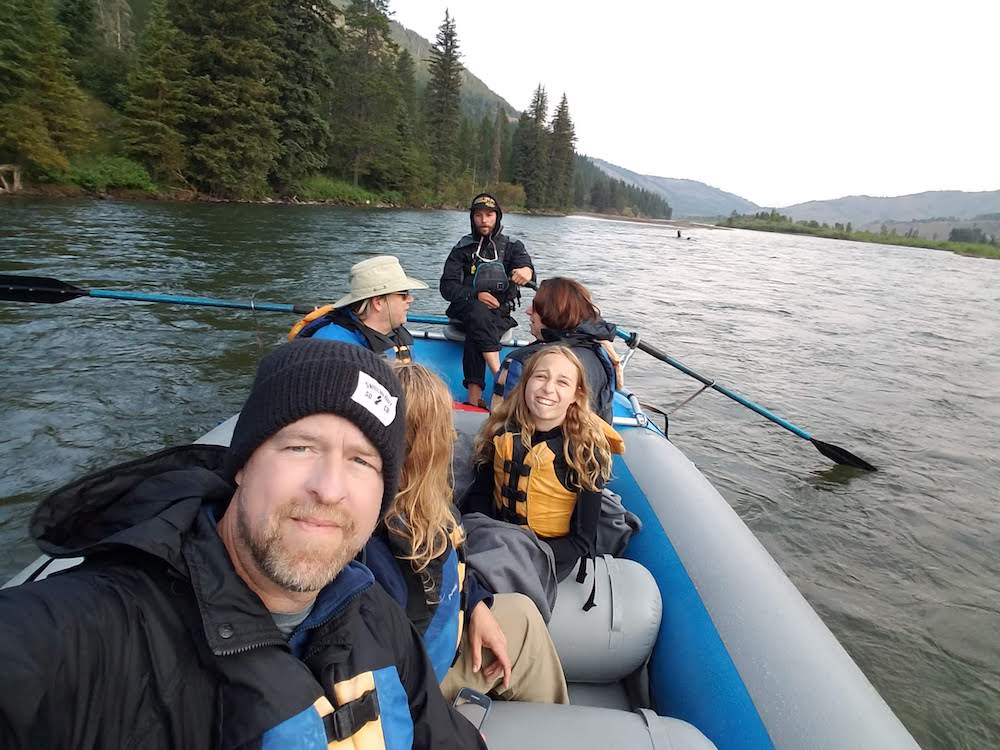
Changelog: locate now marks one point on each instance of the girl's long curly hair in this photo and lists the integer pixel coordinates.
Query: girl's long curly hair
(585, 446)
(421, 511)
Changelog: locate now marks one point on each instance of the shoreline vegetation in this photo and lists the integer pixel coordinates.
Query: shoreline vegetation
(291, 101)
(344, 195)
(984, 246)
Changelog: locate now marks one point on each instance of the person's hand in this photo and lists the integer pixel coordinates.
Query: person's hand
(484, 630)
(521, 276)
(489, 300)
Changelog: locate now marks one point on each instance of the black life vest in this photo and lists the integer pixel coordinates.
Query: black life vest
(489, 274)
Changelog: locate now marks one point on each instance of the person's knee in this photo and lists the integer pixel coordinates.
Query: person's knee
(523, 613)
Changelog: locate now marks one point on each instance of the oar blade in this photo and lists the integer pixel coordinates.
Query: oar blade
(37, 289)
(839, 455)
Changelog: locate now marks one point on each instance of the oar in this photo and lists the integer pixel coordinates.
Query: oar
(833, 452)
(53, 291)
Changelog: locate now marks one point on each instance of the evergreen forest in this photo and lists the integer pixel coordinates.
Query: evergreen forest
(263, 99)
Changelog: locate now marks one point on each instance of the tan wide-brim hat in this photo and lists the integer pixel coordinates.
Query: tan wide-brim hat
(377, 276)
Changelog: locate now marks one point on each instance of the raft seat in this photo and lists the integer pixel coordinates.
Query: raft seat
(598, 648)
(614, 639)
(541, 726)
(455, 331)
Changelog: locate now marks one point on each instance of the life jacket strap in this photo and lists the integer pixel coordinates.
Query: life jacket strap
(346, 720)
(581, 576)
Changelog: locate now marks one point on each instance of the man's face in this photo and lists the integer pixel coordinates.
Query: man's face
(307, 501)
(398, 304)
(485, 220)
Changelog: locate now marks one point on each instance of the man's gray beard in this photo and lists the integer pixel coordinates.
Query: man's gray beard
(293, 570)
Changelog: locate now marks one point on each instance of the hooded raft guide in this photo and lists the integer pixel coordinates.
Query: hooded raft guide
(481, 281)
(199, 560)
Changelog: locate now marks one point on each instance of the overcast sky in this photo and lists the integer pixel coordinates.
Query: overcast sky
(779, 101)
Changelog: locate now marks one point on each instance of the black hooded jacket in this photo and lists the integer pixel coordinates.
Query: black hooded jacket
(155, 642)
(456, 284)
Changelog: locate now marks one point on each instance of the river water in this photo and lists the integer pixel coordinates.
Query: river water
(890, 352)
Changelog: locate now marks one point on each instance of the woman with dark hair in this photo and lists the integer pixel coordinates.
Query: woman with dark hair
(563, 312)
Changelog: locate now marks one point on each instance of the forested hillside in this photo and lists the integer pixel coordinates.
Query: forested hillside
(271, 98)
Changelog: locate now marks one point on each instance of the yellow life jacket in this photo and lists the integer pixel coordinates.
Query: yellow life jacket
(319, 312)
(532, 487)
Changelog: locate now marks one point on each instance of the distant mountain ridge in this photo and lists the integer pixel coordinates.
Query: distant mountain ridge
(688, 198)
(862, 210)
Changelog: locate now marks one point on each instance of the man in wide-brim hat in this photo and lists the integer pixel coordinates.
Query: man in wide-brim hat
(372, 314)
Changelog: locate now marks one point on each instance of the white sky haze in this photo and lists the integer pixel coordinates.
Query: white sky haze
(779, 101)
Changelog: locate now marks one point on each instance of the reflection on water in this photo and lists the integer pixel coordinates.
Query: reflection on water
(889, 352)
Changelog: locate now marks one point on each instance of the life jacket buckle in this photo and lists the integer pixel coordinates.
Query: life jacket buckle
(346, 720)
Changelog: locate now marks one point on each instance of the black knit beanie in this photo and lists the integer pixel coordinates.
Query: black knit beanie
(315, 376)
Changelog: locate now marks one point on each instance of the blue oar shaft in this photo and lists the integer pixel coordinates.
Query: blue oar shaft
(664, 357)
(180, 299)
(176, 299)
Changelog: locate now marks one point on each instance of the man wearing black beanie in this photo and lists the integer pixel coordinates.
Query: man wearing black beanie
(218, 603)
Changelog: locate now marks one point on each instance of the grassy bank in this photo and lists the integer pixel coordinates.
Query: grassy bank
(784, 225)
(120, 177)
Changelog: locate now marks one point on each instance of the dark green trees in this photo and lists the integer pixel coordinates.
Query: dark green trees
(42, 122)
(304, 86)
(157, 99)
(261, 97)
(561, 158)
(366, 105)
(443, 97)
(229, 122)
(531, 150)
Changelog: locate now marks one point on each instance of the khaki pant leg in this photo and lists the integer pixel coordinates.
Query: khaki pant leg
(536, 674)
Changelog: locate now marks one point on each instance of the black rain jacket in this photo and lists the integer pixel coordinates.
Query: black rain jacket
(155, 642)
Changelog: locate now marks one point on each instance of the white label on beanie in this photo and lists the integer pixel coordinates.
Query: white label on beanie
(372, 395)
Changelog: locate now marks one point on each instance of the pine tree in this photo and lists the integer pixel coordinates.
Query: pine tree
(499, 139)
(465, 148)
(531, 150)
(305, 37)
(484, 149)
(520, 157)
(444, 92)
(98, 37)
(407, 76)
(41, 108)
(561, 158)
(367, 144)
(414, 164)
(157, 99)
(79, 18)
(229, 123)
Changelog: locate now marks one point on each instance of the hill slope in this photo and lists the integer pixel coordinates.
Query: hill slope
(477, 98)
(687, 197)
(866, 210)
